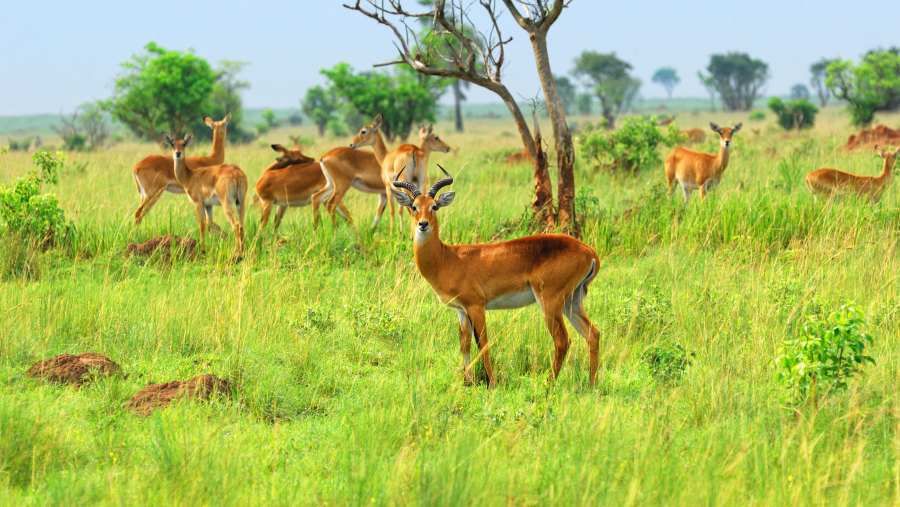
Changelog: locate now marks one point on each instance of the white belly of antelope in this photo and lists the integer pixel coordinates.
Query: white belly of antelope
(212, 200)
(511, 300)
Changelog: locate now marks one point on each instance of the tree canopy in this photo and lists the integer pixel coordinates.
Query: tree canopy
(320, 105)
(165, 90)
(819, 71)
(609, 78)
(667, 77)
(403, 98)
(738, 79)
(871, 86)
(567, 93)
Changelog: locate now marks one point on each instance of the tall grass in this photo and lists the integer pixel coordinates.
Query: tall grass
(348, 371)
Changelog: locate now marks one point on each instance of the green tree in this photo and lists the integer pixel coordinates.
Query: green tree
(738, 79)
(585, 101)
(800, 113)
(667, 77)
(608, 75)
(268, 116)
(403, 98)
(567, 93)
(710, 85)
(871, 86)
(799, 91)
(320, 105)
(819, 71)
(161, 90)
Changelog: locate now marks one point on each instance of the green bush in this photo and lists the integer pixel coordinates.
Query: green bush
(629, 148)
(75, 142)
(825, 357)
(757, 115)
(28, 213)
(799, 113)
(667, 363)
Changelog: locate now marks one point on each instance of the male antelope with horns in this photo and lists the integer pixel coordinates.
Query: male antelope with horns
(553, 270)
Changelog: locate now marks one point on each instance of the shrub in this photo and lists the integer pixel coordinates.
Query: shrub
(629, 148)
(28, 213)
(667, 363)
(757, 115)
(75, 142)
(825, 357)
(799, 113)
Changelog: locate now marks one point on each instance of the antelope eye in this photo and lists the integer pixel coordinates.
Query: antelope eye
(414, 208)
(436, 138)
(434, 207)
(363, 131)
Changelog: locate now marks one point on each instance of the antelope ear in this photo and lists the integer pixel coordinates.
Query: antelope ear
(714, 127)
(445, 199)
(736, 127)
(209, 122)
(422, 129)
(227, 118)
(168, 139)
(377, 121)
(188, 138)
(278, 147)
(879, 150)
(403, 198)
(430, 127)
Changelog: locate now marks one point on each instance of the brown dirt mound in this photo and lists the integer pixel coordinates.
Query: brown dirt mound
(70, 369)
(168, 244)
(866, 139)
(154, 396)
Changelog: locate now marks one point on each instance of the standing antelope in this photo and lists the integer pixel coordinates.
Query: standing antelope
(290, 181)
(415, 158)
(224, 185)
(833, 182)
(553, 270)
(693, 169)
(345, 168)
(154, 174)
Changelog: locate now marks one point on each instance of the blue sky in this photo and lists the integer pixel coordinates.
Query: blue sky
(58, 54)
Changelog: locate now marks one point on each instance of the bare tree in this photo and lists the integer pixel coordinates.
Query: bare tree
(462, 51)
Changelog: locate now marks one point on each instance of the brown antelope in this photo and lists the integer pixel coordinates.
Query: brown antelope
(553, 270)
(830, 182)
(519, 157)
(345, 168)
(693, 169)
(290, 181)
(224, 185)
(414, 158)
(694, 135)
(154, 175)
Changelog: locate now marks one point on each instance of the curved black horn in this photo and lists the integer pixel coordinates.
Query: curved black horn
(407, 185)
(440, 184)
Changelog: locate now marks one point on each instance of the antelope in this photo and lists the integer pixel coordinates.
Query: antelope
(553, 270)
(832, 182)
(694, 135)
(693, 169)
(346, 168)
(406, 155)
(223, 184)
(290, 181)
(518, 157)
(153, 175)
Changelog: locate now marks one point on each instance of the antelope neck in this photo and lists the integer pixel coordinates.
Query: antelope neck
(182, 172)
(429, 253)
(379, 147)
(218, 146)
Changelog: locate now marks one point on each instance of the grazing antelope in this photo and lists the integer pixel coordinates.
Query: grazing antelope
(406, 155)
(831, 182)
(154, 174)
(224, 185)
(518, 157)
(345, 168)
(693, 169)
(694, 135)
(290, 181)
(553, 270)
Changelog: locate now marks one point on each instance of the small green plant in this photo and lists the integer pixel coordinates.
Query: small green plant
(757, 115)
(630, 147)
(825, 357)
(799, 114)
(28, 213)
(667, 363)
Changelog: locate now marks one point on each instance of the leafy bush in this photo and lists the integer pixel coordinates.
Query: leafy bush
(825, 357)
(75, 142)
(799, 113)
(629, 148)
(25, 211)
(757, 115)
(667, 363)
(20, 145)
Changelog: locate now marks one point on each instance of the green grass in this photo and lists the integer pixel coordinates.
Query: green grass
(349, 377)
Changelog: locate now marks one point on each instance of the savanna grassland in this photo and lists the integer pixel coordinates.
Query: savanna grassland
(348, 374)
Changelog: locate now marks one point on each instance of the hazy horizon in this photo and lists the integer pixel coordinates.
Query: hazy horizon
(69, 54)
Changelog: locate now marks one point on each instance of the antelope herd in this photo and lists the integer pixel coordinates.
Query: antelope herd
(552, 270)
